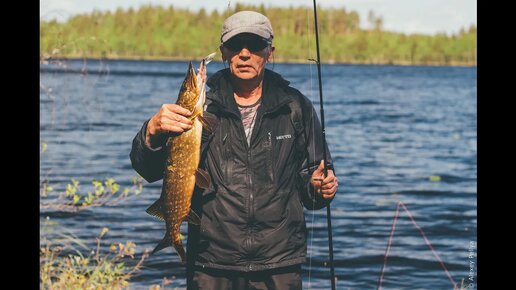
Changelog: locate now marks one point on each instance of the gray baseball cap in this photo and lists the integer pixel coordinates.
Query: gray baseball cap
(246, 22)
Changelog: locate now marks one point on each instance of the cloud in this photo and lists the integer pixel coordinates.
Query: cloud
(407, 16)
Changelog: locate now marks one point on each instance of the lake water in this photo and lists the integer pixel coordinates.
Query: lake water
(397, 134)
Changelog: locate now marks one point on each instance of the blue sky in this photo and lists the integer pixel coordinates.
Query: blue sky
(408, 16)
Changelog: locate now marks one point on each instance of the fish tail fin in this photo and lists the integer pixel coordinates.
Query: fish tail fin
(163, 244)
(180, 251)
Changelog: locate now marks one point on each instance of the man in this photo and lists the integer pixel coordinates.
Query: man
(252, 233)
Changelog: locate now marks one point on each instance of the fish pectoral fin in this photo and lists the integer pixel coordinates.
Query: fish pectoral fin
(202, 178)
(156, 209)
(196, 113)
(193, 218)
(208, 121)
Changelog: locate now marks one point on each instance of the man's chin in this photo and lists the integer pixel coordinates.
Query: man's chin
(246, 75)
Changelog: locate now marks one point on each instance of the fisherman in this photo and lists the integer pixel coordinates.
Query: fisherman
(265, 161)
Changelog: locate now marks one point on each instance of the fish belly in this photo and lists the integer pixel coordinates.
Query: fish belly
(180, 178)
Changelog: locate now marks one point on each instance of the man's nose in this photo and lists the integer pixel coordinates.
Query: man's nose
(244, 53)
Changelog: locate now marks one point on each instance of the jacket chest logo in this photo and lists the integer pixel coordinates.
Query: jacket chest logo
(281, 137)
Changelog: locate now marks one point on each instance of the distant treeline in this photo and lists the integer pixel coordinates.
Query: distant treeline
(155, 32)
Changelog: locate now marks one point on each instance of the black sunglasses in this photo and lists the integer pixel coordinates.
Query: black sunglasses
(254, 44)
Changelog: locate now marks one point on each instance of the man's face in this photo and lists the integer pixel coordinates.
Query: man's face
(246, 54)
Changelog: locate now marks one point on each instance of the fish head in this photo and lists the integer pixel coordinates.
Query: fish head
(190, 90)
(192, 95)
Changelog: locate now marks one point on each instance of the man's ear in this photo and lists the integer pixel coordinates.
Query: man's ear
(271, 52)
(222, 53)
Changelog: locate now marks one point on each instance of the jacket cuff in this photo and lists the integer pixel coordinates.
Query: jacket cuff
(143, 139)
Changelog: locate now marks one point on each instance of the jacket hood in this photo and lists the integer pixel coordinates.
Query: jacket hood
(274, 93)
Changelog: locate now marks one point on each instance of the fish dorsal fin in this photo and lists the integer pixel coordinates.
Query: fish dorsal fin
(156, 209)
(202, 178)
(193, 218)
(209, 121)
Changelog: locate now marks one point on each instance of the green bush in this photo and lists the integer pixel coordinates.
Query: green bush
(98, 270)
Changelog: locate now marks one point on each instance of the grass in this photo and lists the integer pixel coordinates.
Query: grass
(63, 266)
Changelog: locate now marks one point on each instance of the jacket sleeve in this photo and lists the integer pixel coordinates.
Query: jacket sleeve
(313, 156)
(148, 162)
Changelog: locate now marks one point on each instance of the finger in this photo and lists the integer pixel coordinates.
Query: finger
(331, 177)
(328, 179)
(182, 111)
(328, 185)
(330, 191)
(176, 117)
(185, 125)
(177, 109)
(328, 196)
(172, 128)
(331, 188)
(320, 168)
(317, 177)
(183, 119)
(321, 165)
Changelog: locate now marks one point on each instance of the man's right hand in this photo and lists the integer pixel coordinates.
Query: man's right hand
(170, 118)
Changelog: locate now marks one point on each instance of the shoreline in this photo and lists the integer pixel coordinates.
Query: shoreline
(276, 60)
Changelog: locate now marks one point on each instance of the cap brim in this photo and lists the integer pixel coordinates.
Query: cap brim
(246, 29)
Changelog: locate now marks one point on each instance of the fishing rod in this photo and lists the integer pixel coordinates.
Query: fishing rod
(328, 210)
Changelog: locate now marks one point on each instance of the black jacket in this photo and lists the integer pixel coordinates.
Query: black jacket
(252, 215)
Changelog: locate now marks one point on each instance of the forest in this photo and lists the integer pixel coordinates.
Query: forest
(170, 33)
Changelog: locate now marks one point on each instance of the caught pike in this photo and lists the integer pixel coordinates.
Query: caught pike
(181, 174)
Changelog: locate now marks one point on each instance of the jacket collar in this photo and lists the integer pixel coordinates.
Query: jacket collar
(274, 94)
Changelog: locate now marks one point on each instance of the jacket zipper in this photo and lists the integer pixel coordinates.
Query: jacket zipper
(256, 130)
(248, 148)
(226, 154)
(270, 159)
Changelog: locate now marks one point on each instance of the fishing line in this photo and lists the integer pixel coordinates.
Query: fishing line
(387, 250)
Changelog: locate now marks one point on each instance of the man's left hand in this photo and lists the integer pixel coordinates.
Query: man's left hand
(324, 186)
